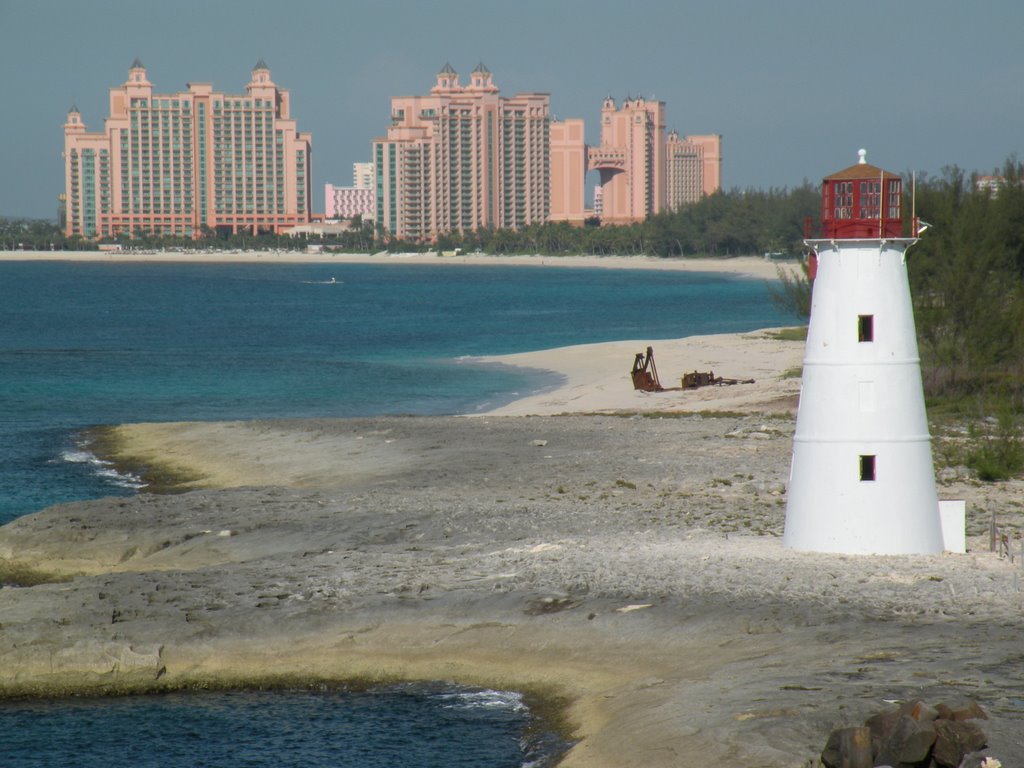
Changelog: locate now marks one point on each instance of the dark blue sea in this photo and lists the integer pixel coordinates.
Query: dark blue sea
(85, 344)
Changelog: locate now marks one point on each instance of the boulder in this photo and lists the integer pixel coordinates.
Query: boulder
(954, 740)
(848, 748)
(907, 744)
(913, 735)
(968, 710)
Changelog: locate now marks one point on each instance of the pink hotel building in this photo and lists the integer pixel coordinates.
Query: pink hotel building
(459, 159)
(693, 168)
(643, 172)
(184, 163)
(465, 158)
(349, 202)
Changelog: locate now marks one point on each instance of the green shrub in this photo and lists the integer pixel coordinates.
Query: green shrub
(999, 456)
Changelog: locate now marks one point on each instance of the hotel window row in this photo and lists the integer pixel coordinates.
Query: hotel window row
(202, 158)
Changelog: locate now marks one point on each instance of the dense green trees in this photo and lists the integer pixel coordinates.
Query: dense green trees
(36, 235)
(967, 276)
(724, 224)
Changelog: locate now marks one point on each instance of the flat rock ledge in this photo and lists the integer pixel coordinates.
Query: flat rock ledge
(629, 571)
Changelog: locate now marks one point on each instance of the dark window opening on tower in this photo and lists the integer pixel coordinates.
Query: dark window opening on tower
(865, 328)
(867, 468)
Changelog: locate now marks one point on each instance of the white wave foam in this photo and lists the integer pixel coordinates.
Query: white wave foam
(485, 699)
(74, 456)
(101, 468)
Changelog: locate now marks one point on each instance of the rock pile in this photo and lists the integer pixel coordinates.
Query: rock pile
(914, 735)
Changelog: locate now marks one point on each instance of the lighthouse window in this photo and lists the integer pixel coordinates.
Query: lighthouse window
(892, 197)
(865, 328)
(843, 200)
(869, 202)
(867, 468)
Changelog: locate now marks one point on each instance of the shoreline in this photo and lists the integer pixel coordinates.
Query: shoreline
(745, 266)
(595, 378)
(630, 568)
(616, 553)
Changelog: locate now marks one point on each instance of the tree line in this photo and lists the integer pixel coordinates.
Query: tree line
(733, 223)
(724, 224)
(967, 279)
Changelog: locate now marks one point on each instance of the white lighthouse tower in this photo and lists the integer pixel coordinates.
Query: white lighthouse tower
(862, 480)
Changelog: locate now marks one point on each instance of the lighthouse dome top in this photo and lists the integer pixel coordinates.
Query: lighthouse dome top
(861, 201)
(862, 169)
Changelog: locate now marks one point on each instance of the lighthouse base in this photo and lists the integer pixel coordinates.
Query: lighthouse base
(866, 508)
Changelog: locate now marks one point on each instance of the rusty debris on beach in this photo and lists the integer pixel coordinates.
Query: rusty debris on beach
(645, 373)
(645, 376)
(698, 379)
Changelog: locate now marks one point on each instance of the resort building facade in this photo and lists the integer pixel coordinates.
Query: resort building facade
(362, 175)
(187, 163)
(631, 160)
(568, 171)
(349, 202)
(693, 168)
(463, 158)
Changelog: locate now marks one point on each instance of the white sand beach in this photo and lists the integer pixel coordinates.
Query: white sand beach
(596, 377)
(751, 266)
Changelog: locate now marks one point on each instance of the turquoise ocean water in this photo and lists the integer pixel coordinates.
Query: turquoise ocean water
(84, 344)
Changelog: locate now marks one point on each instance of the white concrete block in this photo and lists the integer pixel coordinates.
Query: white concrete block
(953, 514)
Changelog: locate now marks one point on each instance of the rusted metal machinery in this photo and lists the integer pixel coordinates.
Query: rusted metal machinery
(645, 373)
(645, 376)
(697, 379)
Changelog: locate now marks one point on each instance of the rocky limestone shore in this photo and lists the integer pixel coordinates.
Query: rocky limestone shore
(627, 570)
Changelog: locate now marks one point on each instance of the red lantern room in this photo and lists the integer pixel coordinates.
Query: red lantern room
(861, 201)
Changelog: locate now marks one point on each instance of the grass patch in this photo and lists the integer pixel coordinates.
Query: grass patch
(997, 458)
(691, 414)
(790, 334)
(704, 414)
(992, 447)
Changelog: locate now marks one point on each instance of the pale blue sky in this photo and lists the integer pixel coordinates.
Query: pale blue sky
(794, 86)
